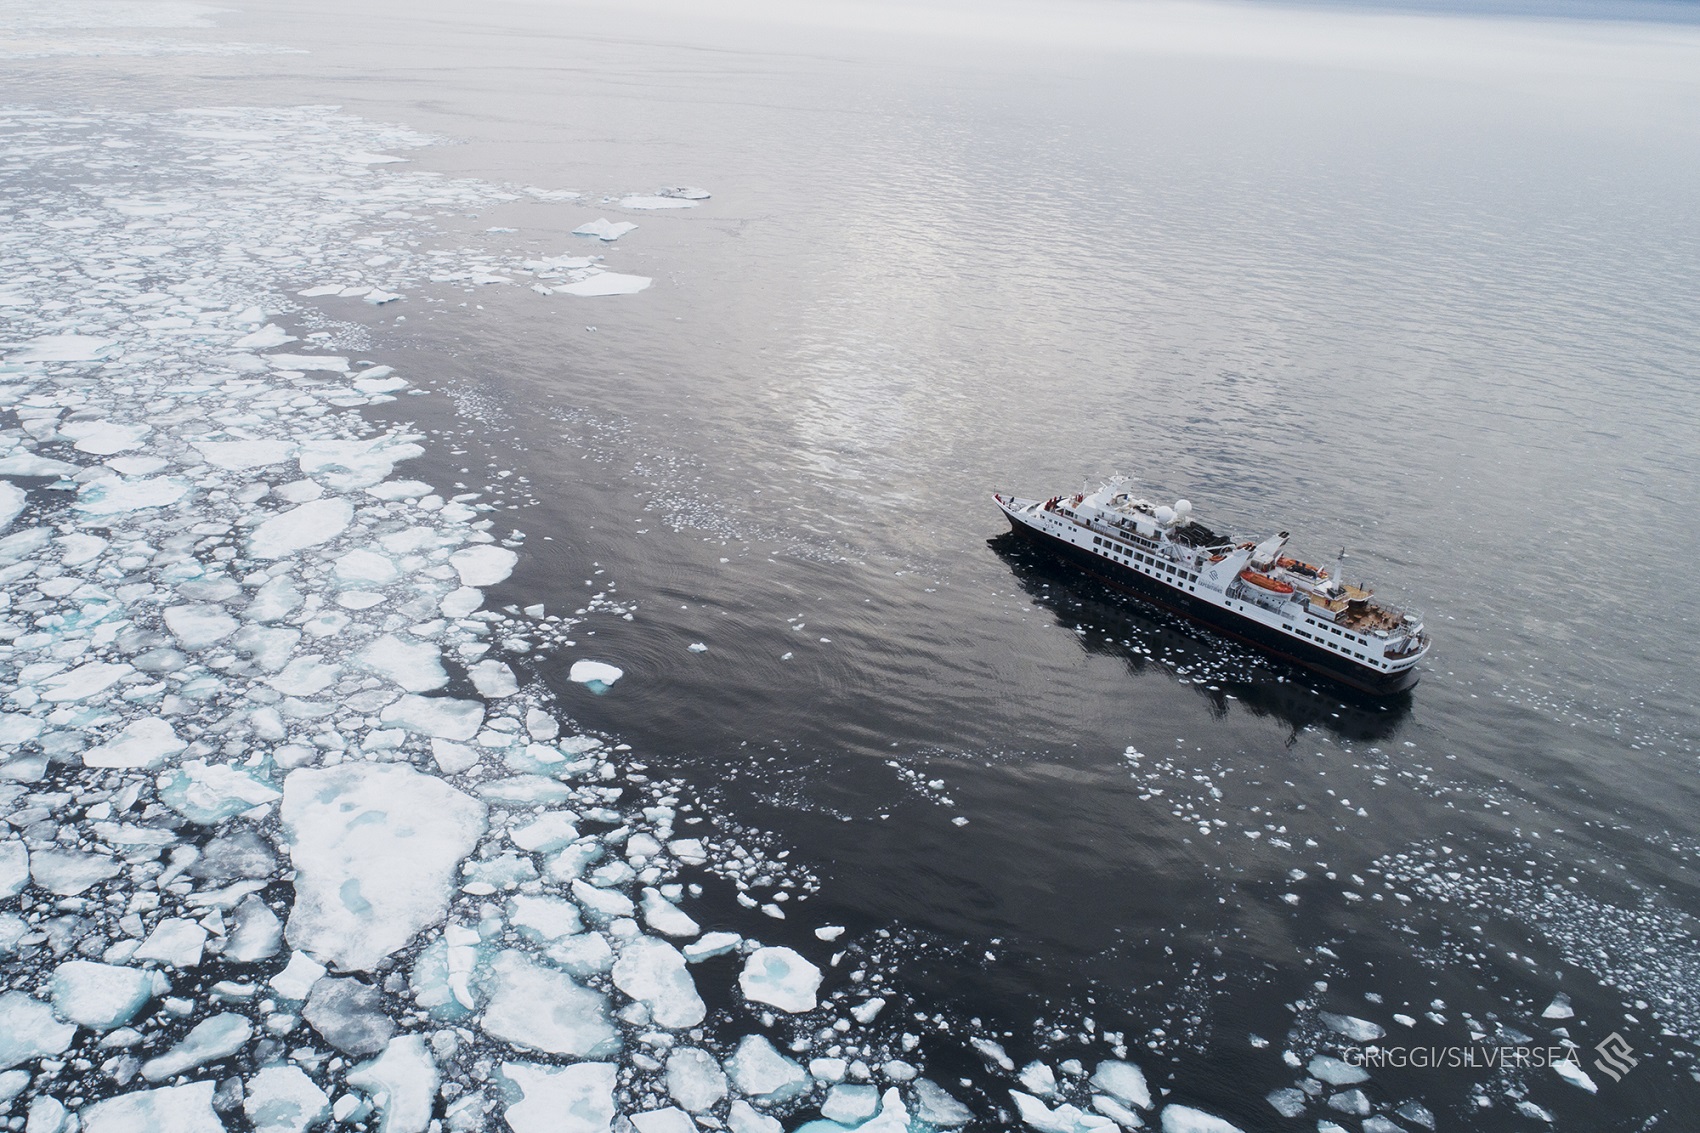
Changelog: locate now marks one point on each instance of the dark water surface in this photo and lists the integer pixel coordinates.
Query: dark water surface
(1422, 288)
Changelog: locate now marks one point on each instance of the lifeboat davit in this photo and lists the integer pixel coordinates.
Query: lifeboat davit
(1273, 585)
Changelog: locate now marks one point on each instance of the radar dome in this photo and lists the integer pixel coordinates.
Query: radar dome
(1183, 509)
(1165, 514)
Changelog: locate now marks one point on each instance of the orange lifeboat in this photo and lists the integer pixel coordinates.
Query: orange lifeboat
(1273, 585)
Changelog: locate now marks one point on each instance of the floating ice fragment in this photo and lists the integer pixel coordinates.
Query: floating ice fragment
(378, 298)
(412, 665)
(298, 976)
(604, 229)
(440, 716)
(694, 1080)
(180, 1109)
(210, 793)
(196, 627)
(375, 849)
(710, 945)
(1065, 1118)
(1559, 1008)
(84, 681)
(936, 1107)
(321, 362)
(115, 495)
(282, 1099)
(174, 941)
(349, 465)
(238, 456)
(69, 872)
(561, 1099)
(307, 525)
(363, 158)
(665, 917)
(850, 1104)
(102, 996)
(104, 438)
(653, 972)
(461, 602)
(606, 283)
(483, 565)
(1335, 1071)
(759, 1071)
(697, 647)
(349, 1015)
(1185, 1119)
(639, 201)
(741, 1117)
(265, 338)
(147, 742)
(256, 935)
(29, 1031)
(1358, 1030)
(780, 977)
(594, 674)
(402, 1083)
(28, 464)
(669, 1120)
(63, 348)
(1288, 1102)
(12, 501)
(14, 868)
(545, 1010)
(1568, 1069)
(493, 680)
(208, 1041)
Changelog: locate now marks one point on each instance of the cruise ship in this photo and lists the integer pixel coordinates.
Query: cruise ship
(1251, 591)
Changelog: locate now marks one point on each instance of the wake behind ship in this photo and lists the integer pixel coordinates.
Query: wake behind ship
(1250, 591)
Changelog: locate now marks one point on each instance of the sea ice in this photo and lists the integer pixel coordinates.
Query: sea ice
(1123, 1081)
(741, 1117)
(665, 917)
(208, 1041)
(543, 918)
(282, 1099)
(84, 681)
(1066, 1118)
(594, 673)
(439, 716)
(349, 1015)
(1288, 1102)
(483, 565)
(376, 849)
(1185, 1119)
(102, 996)
(780, 977)
(493, 680)
(1568, 1070)
(209, 793)
(402, 1083)
(638, 201)
(669, 1120)
(545, 1010)
(143, 743)
(298, 976)
(14, 868)
(937, 1107)
(606, 283)
(174, 941)
(116, 495)
(69, 872)
(759, 1071)
(1358, 1030)
(104, 438)
(561, 1099)
(710, 945)
(1335, 1071)
(412, 665)
(850, 1104)
(694, 1079)
(1559, 1008)
(179, 1109)
(239, 456)
(12, 501)
(604, 229)
(303, 526)
(63, 348)
(28, 1030)
(653, 972)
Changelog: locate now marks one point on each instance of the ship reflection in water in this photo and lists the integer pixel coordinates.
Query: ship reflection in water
(1222, 671)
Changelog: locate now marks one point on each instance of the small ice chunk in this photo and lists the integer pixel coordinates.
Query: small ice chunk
(640, 201)
(543, 918)
(759, 1071)
(653, 972)
(115, 495)
(1066, 1118)
(850, 1104)
(62, 348)
(349, 1015)
(282, 1099)
(439, 716)
(1185, 1119)
(84, 681)
(69, 872)
(741, 1117)
(320, 362)
(669, 1120)
(239, 456)
(1559, 1008)
(143, 743)
(366, 568)
(174, 941)
(606, 283)
(415, 666)
(14, 868)
(604, 229)
(402, 1083)
(1123, 1081)
(104, 438)
(561, 1099)
(545, 833)
(1335, 1071)
(665, 917)
(376, 850)
(28, 1030)
(298, 977)
(493, 679)
(378, 297)
(711, 944)
(196, 627)
(483, 565)
(545, 1010)
(1571, 1072)
(257, 933)
(938, 1108)
(697, 647)
(1358, 1030)
(210, 793)
(102, 996)
(180, 1109)
(208, 1041)
(829, 933)
(1288, 1102)
(694, 1079)
(597, 675)
(267, 337)
(461, 602)
(303, 526)
(781, 978)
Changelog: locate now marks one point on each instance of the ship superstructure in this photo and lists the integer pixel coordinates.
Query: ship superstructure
(1252, 591)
